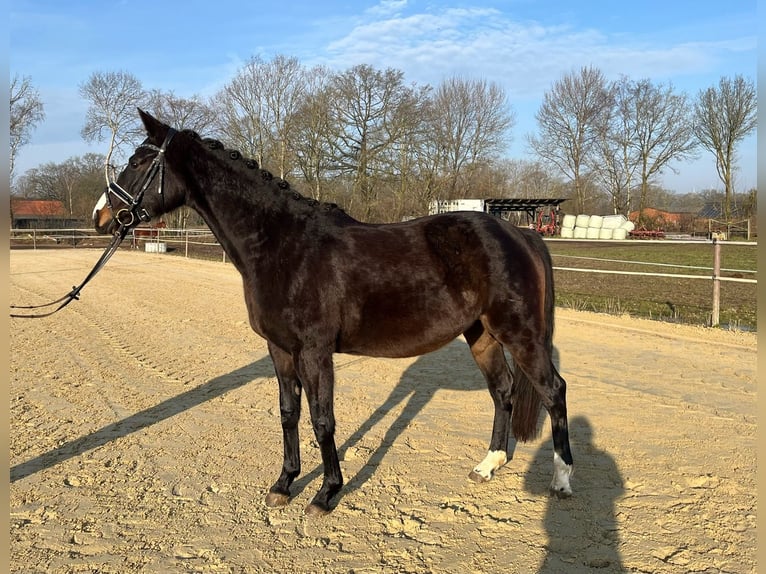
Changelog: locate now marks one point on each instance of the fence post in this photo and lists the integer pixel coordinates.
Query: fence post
(714, 319)
(186, 244)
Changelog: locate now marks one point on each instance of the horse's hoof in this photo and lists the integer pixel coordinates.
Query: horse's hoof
(561, 493)
(477, 478)
(316, 510)
(276, 499)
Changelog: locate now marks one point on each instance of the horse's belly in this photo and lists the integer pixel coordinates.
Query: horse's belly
(395, 338)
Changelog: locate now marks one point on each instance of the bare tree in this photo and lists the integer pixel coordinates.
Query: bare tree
(283, 98)
(470, 122)
(26, 112)
(181, 113)
(113, 97)
(570, 120)
(648, 127)
(310, 138)
(364, 106)
(239, 107)
(615, 161)
(528, 179)
(407, 131)
(723, 117)
(663, 130)
(257, 107)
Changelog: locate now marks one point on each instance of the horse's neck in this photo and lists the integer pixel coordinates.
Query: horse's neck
(242, 222)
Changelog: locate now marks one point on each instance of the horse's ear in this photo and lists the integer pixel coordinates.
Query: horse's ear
(155, 129)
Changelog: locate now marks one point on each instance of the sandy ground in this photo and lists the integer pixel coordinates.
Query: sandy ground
(145, 434)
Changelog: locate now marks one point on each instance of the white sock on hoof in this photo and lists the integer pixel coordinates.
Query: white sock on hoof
(494, 460)
(561, 473)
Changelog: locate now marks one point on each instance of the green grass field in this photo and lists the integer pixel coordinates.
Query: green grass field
(662, 298)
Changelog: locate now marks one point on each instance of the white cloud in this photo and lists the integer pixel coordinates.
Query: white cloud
(524, 57)
(386, 7)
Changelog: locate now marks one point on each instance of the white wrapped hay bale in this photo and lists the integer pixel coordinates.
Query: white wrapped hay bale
(628, 226)
(613, 221)
(567, 232)
(592, 232)
(568, 221)
(582, 220)
(579, 232)
(605, 233)
(596, 222)
(619, 233)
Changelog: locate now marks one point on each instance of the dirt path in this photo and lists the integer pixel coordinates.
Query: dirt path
(145, 434)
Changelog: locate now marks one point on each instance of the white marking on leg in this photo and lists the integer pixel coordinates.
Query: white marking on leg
(561, 473)
(494, 460)
(100, 204)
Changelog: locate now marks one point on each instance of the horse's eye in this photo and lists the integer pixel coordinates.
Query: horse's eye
(134, 164)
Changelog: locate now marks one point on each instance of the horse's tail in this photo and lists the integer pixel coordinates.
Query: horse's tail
(525, 417)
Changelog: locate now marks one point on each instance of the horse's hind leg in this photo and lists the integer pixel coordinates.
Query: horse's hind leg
(489, 356)
(290, 413)
(562, 455)
(536, 364)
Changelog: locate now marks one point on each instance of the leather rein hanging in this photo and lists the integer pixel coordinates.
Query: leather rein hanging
(127, 218)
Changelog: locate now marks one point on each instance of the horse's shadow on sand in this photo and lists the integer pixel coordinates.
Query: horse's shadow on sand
(583, 532)
(262, 368)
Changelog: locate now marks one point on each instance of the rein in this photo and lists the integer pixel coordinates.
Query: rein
(127, 218)
(117, 238)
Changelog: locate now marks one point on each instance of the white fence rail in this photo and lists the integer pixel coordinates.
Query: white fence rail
(716, 270)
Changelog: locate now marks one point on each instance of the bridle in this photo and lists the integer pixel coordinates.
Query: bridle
(126, 218)
(133, 214)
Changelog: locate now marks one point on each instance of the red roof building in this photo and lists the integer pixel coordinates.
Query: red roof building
(38, 214)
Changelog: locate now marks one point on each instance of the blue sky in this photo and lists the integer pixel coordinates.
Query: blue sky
(196, 47)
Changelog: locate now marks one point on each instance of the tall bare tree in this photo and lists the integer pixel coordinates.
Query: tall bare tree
(407, 131)
(569, 121)
(257, 107)
(648, 127)
(311, 136)
(470, 123)
(26, 112)
(283, 99)
(364, 106)
(663, 130)
(181, 113)
(723, 117)
(111, 115)
(239, 107)
(615, 162)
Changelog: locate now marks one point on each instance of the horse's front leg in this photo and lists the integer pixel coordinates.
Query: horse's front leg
(315, 369)
(290, 413)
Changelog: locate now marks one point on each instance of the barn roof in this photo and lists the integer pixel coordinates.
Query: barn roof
(37, 208)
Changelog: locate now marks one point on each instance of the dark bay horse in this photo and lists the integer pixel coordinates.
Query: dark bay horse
(319, 282)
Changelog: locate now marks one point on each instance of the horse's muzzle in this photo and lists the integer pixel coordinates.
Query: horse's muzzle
(103, 221)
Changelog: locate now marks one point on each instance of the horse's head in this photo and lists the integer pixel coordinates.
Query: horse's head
(143, 189)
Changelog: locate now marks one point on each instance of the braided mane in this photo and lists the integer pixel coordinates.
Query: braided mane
(250, 167)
